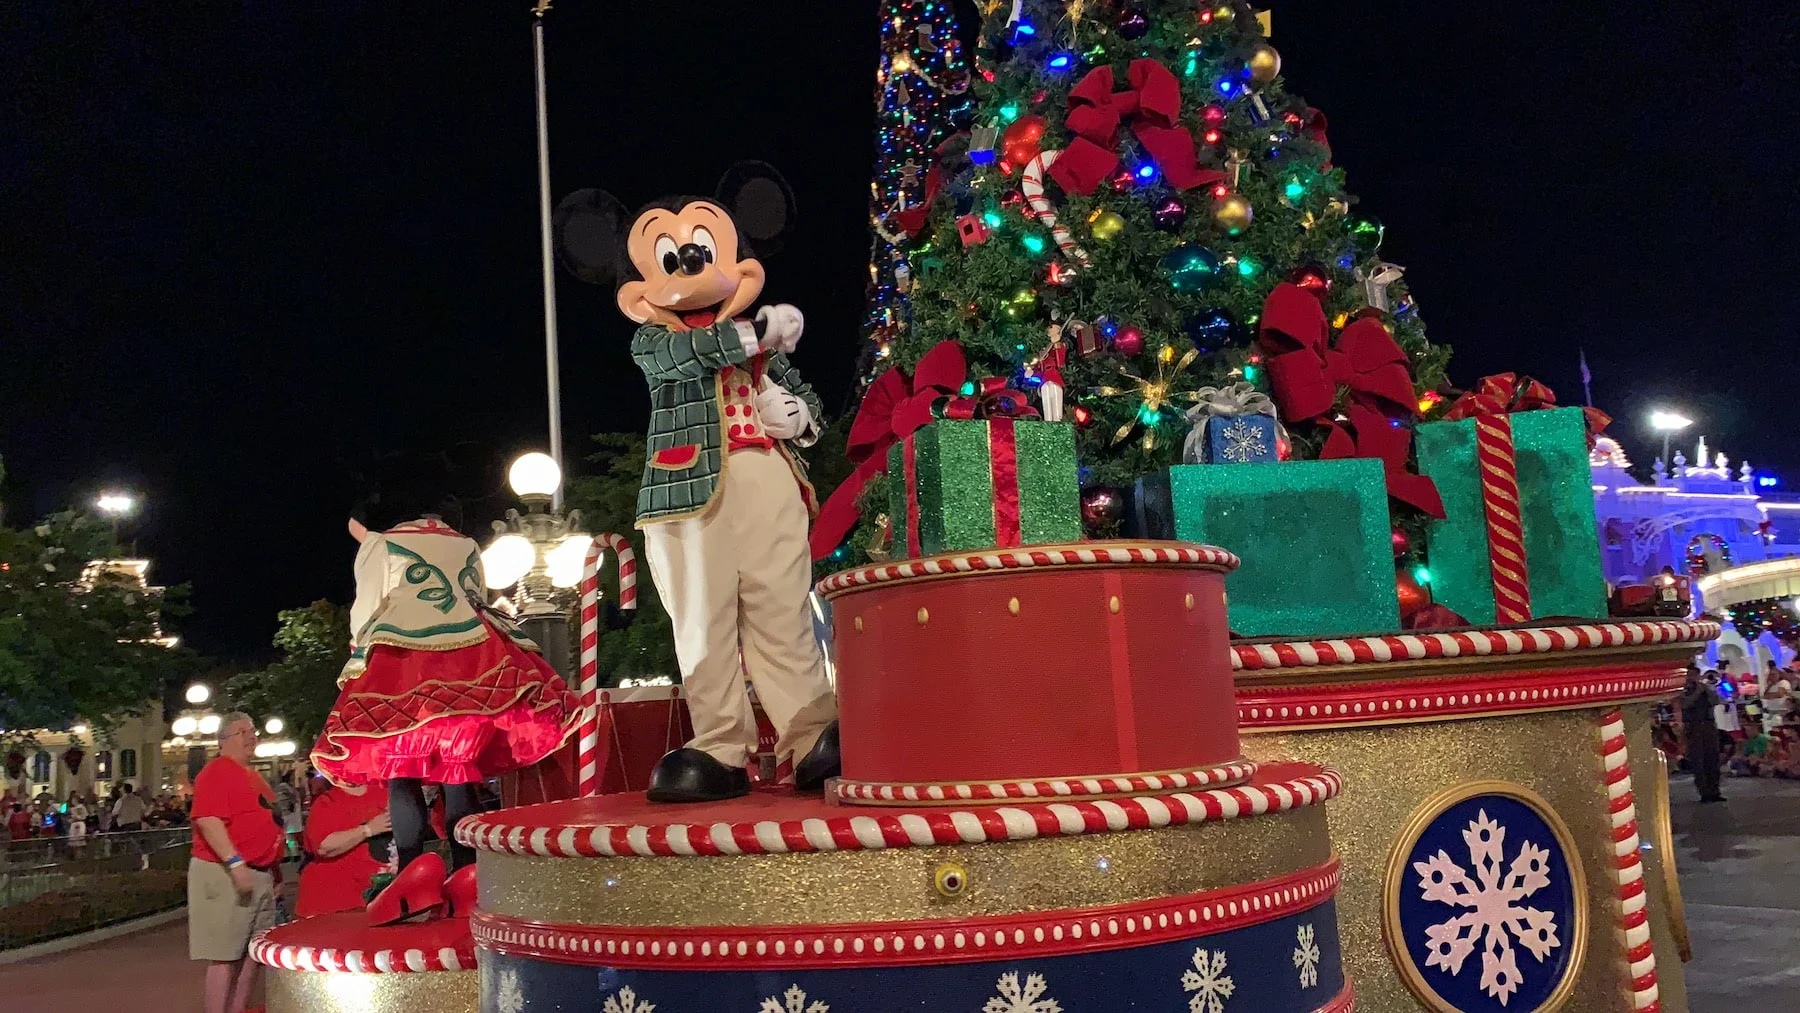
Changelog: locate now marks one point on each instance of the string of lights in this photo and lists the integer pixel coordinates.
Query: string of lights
(921, 91)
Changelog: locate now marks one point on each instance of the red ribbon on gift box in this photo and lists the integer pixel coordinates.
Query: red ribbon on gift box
(1306, 370)
(893, 407)
(1491, 405)
(1000, 406)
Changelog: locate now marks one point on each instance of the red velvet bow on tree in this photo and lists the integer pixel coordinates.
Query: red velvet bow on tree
(1305, 372)
(1508, 392)
(893, 407)
(1153, 107)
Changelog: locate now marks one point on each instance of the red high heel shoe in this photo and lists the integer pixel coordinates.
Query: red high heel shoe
(416, 893)
(459, 890)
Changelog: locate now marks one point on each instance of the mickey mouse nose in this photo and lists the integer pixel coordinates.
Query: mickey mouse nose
(693, 258)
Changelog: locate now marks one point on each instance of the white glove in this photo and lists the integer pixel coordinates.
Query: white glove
(1050, 396)
(784, 416)
(782, 325)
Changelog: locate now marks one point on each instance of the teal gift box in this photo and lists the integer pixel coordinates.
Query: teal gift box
(1555, 508)
(999, 483)
(1314, 537)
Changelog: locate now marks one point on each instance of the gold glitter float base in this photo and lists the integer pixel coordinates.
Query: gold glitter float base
(414, 992)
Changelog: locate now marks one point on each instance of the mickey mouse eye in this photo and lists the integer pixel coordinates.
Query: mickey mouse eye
(703, 238)
(665, 254)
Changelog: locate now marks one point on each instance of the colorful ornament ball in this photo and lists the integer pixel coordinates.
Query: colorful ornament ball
(1232, 213)
(1132, 23)
(1402, 543)
(1106, 226)
(1313, 278)
(1264, 63)
(1189, 267)
(1129, 341)
(1101, 506)
(1023, 140)
(1170, 215)
(1211, 331)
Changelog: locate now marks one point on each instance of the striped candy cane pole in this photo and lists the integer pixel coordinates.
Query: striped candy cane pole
(1032, 186)
(1495, 456)
(1634, 909)
(587, 743)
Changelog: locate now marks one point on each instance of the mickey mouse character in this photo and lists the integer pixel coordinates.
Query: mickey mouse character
(725, 503)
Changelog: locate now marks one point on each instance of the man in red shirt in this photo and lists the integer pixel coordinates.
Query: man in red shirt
(348, 838)
(237, 853)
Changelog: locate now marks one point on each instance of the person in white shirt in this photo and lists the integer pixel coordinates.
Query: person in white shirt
(1777, 697)
(128, 811)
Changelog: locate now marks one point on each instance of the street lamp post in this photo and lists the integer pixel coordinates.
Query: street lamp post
(1668, 423)
(117, 507)
(540, 553)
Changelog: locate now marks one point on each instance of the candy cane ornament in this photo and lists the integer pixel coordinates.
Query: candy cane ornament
(1031, 184)
(587, 743)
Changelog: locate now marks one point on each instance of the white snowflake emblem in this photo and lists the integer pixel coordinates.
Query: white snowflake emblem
(1017, 998)
(796, 1003)
(1495, 917)
(508, 998)
(1244, 442)
(1306, 956)
(1209, 983)
(626, 1001)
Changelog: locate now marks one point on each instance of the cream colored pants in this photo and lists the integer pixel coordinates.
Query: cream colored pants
(736, 578)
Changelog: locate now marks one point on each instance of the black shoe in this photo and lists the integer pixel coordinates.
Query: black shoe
(823, 762)
(689, 775)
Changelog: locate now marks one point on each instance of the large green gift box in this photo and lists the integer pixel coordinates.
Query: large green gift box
(999, 483)
(1553, 513)
(1314, 537)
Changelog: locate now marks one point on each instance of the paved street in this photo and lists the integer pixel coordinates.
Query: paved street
(1740, 875)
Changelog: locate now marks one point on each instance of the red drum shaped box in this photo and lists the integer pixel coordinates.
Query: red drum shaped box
(1095, 670)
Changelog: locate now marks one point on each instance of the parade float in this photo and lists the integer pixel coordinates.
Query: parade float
(1198, 645)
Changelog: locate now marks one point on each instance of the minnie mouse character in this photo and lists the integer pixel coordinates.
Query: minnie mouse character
(439, 689)
(729, 558)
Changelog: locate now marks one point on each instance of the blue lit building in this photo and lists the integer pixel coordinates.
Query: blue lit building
(1725, 526)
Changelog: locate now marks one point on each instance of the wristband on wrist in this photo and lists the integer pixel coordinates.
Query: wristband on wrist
(233, 862)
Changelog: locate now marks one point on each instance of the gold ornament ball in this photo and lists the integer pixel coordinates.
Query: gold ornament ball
(1107, 226)
(1264, 63)
(1022, 304)
(1224, 14)
(1232, 213)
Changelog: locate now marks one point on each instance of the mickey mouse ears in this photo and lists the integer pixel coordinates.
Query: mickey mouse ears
(761, 202)
(588, 226)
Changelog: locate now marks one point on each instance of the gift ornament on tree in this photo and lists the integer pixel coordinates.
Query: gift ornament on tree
(1518, 539)
(1232, 425)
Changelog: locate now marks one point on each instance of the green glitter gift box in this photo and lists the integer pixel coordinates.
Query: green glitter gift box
(1314, 537)
(983, 484)
(1555, 514)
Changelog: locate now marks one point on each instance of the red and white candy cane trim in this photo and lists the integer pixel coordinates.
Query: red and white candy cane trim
(1467, 643)
(1034, 557)
(1634, 907)
(1031, 184)
(1344, 1003)
(291, 957)
(1029, 935)
(587, 747)
(1070, 787)
(495, 832)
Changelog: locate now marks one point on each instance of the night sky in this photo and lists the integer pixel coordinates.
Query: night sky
(256, 257)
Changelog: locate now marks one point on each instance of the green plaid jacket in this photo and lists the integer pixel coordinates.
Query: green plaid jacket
(685, 458)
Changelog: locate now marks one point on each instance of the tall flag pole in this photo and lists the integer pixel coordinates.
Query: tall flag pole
(551, 364)
(921, 86)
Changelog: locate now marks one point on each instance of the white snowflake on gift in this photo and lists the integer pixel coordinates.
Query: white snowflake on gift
(626, 1001)
(1244, 442)
(508, 998)
(1495, 918)
(1306, 956)
(1021, 998)
(796, 1003)
(1209, 983)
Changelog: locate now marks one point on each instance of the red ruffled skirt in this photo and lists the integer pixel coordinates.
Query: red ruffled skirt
(446, 717)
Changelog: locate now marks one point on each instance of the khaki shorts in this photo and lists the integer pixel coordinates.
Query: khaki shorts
(220, 923)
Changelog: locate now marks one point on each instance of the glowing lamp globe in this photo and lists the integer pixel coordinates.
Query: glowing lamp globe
(198, 693)
(274, 726)
(533, 475)
(184, 726)
(209, 724)
(508, 560)
(567, 560)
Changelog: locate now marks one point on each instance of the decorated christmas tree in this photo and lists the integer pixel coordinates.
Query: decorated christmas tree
(1142, 225)
(921, 98)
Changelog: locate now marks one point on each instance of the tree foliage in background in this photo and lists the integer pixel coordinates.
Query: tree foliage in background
(607, 499)
(301, 687)
(999, 296)
(74, 650)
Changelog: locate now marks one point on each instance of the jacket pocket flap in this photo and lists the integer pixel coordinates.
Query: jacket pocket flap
(676, 458)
